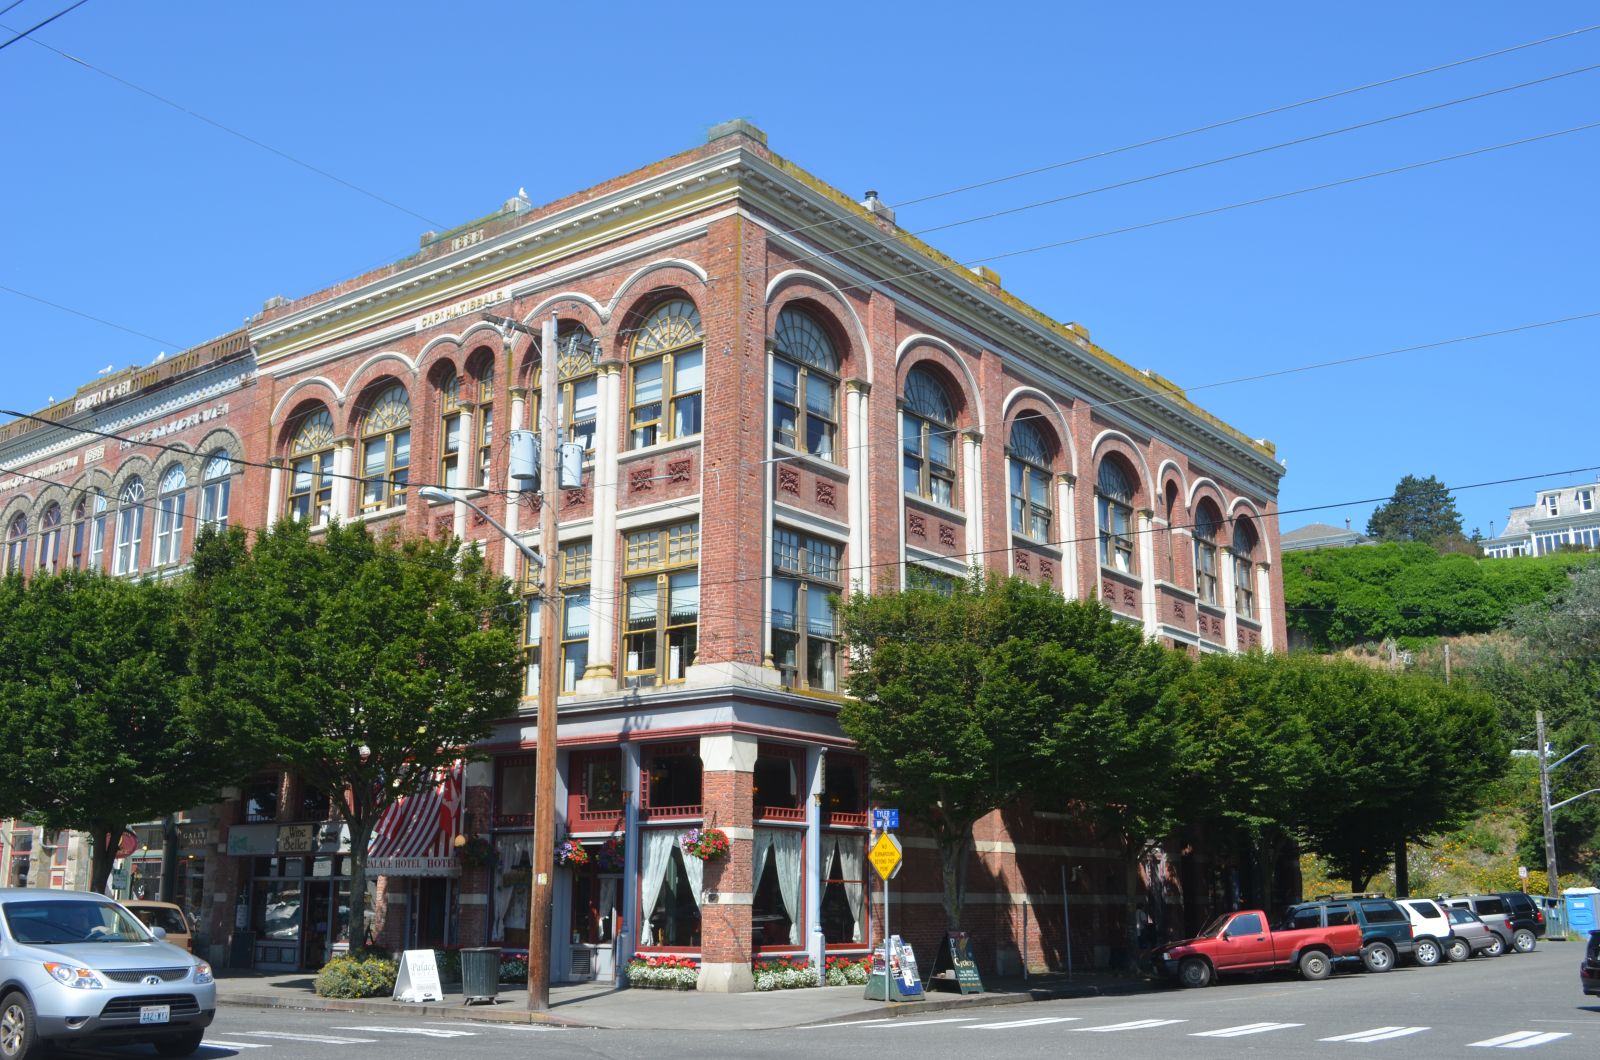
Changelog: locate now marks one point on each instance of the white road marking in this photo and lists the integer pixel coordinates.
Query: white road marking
(220, 1044)
(426, 1032)
(1520, 1039)
(323, 1039)
(1039, 1022)
(1244, 1029)
(1131, 1025)
(857, 1023)
(897, 1024)
(521, 1028)
(1375, 1034)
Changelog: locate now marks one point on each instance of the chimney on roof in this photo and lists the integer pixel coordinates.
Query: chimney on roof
(737, 127)
(1347, 523)
(875, 206)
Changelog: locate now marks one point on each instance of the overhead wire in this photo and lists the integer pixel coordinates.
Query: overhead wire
(40, 25)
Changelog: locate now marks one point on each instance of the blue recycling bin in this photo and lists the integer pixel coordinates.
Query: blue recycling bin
(1581, 911)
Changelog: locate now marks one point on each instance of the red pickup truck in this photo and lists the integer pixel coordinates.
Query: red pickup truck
(1243, 942)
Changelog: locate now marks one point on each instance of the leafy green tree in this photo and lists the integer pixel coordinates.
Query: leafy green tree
(90, 668)
(967, 702)
(364, 664)
(1421, 509)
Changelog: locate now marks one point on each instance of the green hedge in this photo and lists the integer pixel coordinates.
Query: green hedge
(362, 974)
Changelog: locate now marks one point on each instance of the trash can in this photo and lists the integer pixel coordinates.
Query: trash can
(480, 974)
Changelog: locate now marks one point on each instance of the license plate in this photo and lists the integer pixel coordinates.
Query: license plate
(155, 1013)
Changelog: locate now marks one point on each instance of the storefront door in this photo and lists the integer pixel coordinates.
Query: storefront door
(318, 918)
(431, 903)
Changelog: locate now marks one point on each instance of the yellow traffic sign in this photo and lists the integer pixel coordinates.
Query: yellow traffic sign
(886, 856)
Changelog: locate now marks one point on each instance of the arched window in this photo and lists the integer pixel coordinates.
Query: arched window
(1172, 507)
(1030, 479)
(130, 528)
(668, 375)
(577, 385)
(216, 485)
(170, 502)
(1244, 568)
(927, 431)
(805, 385)
(311, 467)
(386, 450)
(1207, 522)
(17, 545)
(467, 431)
(96, 530)
(50, 540)
(480, 382)
(1114, 505)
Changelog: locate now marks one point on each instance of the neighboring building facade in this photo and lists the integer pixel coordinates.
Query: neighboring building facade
(783, 397)
(1566, 518)
(1321, 535)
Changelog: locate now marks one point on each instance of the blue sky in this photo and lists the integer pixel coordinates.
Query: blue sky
(126, 209)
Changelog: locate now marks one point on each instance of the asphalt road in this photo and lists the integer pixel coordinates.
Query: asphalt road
(1528, 1002)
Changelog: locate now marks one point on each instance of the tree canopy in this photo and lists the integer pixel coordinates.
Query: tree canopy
(90, 668)
(365, 664)
(1421, 509)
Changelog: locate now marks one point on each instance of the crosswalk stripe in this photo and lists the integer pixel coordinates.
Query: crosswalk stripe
(896, 1024)
(322, 1039)
(220, 1044)
(855, 1023)
(1041, 1021)
(518, 1028)
(425, 1031)
(1521, 1039)
(1131, 1025)
(1244, 1029)
(1375, 1034)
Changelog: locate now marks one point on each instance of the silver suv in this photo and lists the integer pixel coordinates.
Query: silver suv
(76, 966)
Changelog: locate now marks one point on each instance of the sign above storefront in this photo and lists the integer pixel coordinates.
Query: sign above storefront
(297, 838)
(253, 840)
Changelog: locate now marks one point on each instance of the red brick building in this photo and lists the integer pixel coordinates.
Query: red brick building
(782, 397)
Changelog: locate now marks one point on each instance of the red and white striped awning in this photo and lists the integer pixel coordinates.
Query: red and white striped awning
(416, 836)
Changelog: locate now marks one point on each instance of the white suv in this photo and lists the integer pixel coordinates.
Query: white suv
(1430, 927)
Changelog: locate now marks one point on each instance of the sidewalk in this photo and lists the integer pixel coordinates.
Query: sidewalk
(599, 1005)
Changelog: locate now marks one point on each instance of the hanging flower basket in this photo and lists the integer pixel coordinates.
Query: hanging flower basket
(707, 844)
(571, 852)
(612, 855)
(476, 853)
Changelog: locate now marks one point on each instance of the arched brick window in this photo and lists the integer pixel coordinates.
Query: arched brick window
(927, 433)
(311, 466)
(577, 385)
(216, 486)
(667, 375)
(1244, 567)
(50, 540)
(17, 545)
(386, 449)
(1114, 494)
(1030, 457)
(169, 515)
(1207, 524)
(130, 528)
(805, 385)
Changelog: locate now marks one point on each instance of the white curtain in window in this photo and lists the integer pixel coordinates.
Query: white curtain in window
(512, 877)
(852, 863)
(695, 870)
(787, 844)
(658, 843)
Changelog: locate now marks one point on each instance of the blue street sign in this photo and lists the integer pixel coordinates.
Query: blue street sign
(885, 820)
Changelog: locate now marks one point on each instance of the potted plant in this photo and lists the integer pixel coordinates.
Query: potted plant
(476, 853)
(571, 852)
(613, 855)
(707, 844)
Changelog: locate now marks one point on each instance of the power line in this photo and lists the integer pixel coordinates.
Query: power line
(40, 25)
(89, 316)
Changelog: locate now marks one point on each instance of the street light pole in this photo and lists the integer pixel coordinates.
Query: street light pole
(1549, 812)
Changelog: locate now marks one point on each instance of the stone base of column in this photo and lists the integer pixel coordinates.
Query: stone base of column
(733, 673)
(726, 978)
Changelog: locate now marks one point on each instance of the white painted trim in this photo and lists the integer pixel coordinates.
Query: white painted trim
(1061, 420)
(655, 266)
(796, 275)
(974, 395)
(1105, 436)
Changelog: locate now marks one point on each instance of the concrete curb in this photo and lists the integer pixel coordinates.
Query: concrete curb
(435, 1010)
(913, 1009)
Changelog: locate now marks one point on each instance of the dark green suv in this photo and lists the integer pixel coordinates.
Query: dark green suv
(1385, 928)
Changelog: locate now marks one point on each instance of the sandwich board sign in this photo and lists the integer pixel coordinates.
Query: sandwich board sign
(895, 977)
(419, 977)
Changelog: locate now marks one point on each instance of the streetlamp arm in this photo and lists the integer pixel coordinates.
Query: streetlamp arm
(1575, 798)
(1557, 763)
(435, 493)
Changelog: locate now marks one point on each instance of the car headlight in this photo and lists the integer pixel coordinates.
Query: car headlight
(76, 978)
(202, 973)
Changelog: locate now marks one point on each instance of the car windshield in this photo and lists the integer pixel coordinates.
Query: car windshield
(54, 923)
(1214, 929)
(164, 917)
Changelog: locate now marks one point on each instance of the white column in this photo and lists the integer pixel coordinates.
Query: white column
(972, 480)
(601, 676)
(274, 493)
(628, 931)
(858, 460)
(816, 945)
(519, 399)
(1230, 603)
(344, 484)
(466, 459)
(1147, 570)
(1264, 603)
(1067, 534)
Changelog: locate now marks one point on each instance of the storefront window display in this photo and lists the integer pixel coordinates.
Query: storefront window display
(843, 888)
(513, 879)
(672, 888)
(775, 912)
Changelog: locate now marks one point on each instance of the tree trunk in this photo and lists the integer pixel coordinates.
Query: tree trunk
(954, 854)
(360, 836)
(169, 859)
(106, 838)
(1402, 869)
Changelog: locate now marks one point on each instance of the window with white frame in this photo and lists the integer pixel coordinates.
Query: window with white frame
(1552, 503)
(386, 450)
(666, 375)
(1244, 568)
(1206, 524)
(661, 589)
(311, 467)
(170, 502)
(805, 633)
(927, 434)
(1586, 500)
(99, 516)
(572, 623)
(50, 540)
(130, 528)
(1030, 459)
(805, 385)
(1114, 507)
(578, 385)
(216, 484)
(17, 544)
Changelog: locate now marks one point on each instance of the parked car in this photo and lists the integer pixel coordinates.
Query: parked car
(1589, 970)
(166, 916)
(1385, 930)
(1497, 914)
(1430, 930)
(1243, 941)
(1525, 913)
(78, 967)
(1470, 936)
